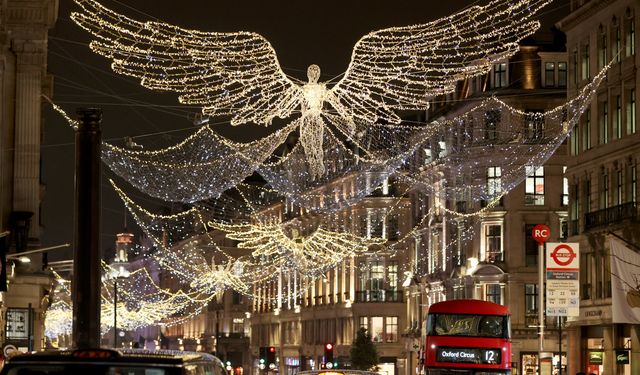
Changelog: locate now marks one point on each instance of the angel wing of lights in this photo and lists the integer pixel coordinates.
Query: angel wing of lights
(238, 73)
(320, 250)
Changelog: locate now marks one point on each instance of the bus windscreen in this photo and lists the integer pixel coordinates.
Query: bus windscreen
(494, 326)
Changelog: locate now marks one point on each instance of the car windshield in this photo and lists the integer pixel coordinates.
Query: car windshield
(83, 368)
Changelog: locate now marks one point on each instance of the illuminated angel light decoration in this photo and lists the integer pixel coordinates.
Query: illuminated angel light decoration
(281, 244)
(238, 74)
(220, 278)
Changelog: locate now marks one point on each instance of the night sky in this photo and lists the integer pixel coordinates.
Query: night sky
(301, 32)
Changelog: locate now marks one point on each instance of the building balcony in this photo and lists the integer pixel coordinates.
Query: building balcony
(378, 296)
(610, 215)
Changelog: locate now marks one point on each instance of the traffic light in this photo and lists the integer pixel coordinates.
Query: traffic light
(262, 361)
(328, 355)
(271, 358)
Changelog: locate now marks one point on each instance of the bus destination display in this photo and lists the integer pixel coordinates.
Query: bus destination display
(468, 355)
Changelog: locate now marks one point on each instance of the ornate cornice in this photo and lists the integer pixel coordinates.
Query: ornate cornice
(583, 13)
(29, 13)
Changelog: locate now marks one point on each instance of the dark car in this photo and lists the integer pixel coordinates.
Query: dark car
(114, 362)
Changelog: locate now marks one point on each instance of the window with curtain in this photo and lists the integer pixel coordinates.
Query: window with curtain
(493, 293)
(494, 181)
(534, 185)
(391, 329)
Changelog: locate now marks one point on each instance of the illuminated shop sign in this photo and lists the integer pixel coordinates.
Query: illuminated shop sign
(595, 358)
(468, 355)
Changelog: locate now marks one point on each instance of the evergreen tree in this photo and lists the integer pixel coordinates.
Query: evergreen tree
(364, 355)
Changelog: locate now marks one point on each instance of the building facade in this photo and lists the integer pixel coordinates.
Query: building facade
(24, 28)
(602, 174)
(491, 256)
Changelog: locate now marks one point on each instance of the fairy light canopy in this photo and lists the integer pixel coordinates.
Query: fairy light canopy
(238, 73)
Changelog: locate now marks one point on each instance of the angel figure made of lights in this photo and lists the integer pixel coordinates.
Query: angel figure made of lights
(238, 74)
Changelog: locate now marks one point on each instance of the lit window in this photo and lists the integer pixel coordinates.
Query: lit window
(565, 188)
(391, 329)
(364, 322)
(494, 181)
(619, 188)
(534, 185)
(377, 329)
(492, 244)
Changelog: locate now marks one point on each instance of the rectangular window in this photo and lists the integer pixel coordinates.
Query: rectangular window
(534, 186)
(619, 184)
(364, 323)
(617, 120)
(493, 293)
(631, 36)
(575, 140)
(391, 329)
(238, 325)
(494, 181)
(585, 63)
(634, 183)
(562, 74)
(377, 275)
(586, 131)
(236, 298)
(604, 196)
(392, 274)
(377, 329)
(530, 247)
(617, 43)
(587, 195)
(491, 121)
(533, 126)
(500, 75)
(602, 52)
(493, 243)
(575, 67)
(565, 188)
(549, 74)
(631, 112)
(531, 299)
(604, 123)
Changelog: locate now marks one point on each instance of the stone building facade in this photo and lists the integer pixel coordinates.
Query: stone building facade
(602, 174)
(24, 28)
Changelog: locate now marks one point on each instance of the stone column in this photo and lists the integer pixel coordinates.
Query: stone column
(30, 62)
(574, 350)
(609, 360)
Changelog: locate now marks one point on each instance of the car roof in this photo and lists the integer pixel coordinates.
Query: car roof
(169, 357)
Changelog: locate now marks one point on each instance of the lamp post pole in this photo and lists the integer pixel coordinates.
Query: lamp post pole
(540, 234)
(115, 312)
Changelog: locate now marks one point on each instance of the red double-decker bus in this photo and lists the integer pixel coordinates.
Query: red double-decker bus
(468, 337)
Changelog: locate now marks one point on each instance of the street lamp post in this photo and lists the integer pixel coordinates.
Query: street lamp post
(119, 272)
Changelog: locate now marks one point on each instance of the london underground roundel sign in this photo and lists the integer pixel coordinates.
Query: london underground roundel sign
(563, 255)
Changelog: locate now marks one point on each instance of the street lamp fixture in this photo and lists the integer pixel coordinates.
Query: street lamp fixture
(118, 271)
